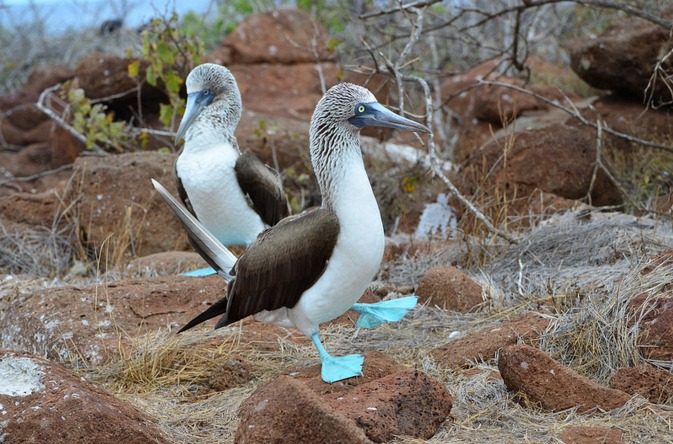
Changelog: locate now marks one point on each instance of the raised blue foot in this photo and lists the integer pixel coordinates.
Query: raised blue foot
(373, 315)
(200, 272)
(337, 368)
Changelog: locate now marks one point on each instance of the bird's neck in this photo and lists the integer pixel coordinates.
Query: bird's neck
(339, 168)
(212, 127)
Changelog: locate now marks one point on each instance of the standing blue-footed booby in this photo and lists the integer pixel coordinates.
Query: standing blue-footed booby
(234, 195)
(311, 268)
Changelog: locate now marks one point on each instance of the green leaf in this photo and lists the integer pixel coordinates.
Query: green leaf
(173, 82)
(151, 76)
(164, 53)
(165, 114)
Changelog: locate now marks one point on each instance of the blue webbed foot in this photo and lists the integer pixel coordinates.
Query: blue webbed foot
(200, 272)
(337, 368)
(373, 315)
(343, 367)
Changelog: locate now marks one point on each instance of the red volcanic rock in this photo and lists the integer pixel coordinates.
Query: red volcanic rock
(116, 201)
(540, 380)
(591, 435)
(280, 36)
(43, 78)
(481, 108)
(103, 75)
(647, 381)
(69, 324)
(274, 138)
(622, 58)
(290, 91)
(285, 410)
(448, 288)
(557, 159)
(389, 400)
(485, 343)
(42, 402)
(36, 210)
(655, 316)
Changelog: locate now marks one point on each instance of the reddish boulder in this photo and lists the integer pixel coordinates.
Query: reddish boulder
(654, 314)
(479, 107)
(35, 210)
(285, 410)
(104, 75)
(43, 78)
(117, 207)
(389, 400)
(623, 56)
(544, 382)
(25, 116)
(290, 91)
(41, 401)
(273, 138)
(592, 435)
(485, 343)
(280, 36)
(71, 324)
(649, 382)
(563, 160)
(448, 288)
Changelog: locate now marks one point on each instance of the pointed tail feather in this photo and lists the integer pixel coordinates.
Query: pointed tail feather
(212, 251)
(218, 308)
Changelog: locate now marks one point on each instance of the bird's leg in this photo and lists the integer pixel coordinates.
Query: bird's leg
(373, 315)
(337, 368)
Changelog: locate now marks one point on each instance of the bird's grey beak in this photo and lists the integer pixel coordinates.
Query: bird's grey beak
(376, 114)
(196, 102)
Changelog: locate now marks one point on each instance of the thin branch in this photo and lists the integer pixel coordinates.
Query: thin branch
(597, 162)
(36, 175)
(605, 4)
(391, 69)
(576, 114)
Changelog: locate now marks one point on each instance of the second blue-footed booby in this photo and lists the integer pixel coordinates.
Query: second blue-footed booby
(233, 194)
(311, 268)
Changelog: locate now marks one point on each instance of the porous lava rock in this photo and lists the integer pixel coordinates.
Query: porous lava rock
(387, 401)
(42, 402)
(539, 380)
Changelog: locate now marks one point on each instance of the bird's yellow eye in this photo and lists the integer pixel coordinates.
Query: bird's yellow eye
(361, 108)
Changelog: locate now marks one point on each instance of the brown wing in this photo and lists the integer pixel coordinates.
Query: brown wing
(181, 190)
(281, 264)
(264, 188)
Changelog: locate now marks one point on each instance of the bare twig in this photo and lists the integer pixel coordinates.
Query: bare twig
(599, 141)
(391, 69)
(572, 111)
(659, 72)
(37, 175)
(604, 4)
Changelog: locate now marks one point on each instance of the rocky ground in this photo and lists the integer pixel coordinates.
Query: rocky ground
(564, 336)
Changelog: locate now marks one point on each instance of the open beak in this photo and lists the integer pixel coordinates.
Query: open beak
(196, 103)
(377, 115)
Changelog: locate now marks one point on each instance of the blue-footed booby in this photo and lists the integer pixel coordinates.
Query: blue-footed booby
(312, 267)
(233, 194)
